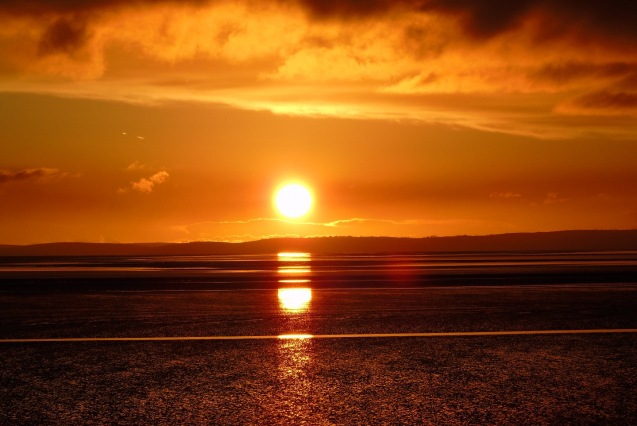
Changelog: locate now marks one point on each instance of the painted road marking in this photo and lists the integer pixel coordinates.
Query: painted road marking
(322, 336)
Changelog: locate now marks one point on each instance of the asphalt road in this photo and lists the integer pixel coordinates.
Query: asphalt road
(498, 379)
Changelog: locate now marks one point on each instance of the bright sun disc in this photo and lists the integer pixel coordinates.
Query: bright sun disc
(293, 200)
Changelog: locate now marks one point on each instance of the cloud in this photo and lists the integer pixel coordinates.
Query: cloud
(480, 18)
(554, 198)
(505, 195)
(425, 60)
(136, 165)
(488, 18)
(569, 72)
(258, 228)
(601, 103)
(64, 35)
(146, 185)
(26, 175)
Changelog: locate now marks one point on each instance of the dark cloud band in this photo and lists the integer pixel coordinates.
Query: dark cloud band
(481, 19)
(7, 176)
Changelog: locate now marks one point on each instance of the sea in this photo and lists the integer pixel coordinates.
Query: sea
(315, 270)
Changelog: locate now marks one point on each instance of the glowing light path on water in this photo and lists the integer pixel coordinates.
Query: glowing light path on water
(323, 336)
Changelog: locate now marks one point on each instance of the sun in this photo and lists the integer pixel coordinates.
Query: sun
(293, 200)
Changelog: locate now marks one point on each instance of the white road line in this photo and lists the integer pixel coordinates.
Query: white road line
(322, 336)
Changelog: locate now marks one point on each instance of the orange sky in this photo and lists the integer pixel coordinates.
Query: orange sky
(152, 120)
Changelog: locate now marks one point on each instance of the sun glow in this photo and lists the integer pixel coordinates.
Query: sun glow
(293, 200)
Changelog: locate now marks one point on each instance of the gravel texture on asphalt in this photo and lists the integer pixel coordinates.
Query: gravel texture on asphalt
(550, 379)
(574, 379)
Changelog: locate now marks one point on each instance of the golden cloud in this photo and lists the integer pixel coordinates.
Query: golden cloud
(147, 185)
(521, 65)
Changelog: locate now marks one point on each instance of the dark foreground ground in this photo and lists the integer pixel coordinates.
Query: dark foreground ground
(521, 379)
(576, 379)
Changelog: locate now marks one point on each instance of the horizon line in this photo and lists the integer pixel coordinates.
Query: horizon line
(316, 237)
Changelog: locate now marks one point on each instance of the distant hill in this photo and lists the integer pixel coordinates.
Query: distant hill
(541, 241)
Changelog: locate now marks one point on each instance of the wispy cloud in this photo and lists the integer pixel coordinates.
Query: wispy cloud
(136, 165)
(259, 228)
(505, 195)
(554, 198)
(8, 176)
(601, 103)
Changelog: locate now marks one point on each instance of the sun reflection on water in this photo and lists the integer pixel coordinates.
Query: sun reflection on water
(294, 295)
(294, 269)
(293, 263)
(295, 299)
(295, 342)
(288, 256)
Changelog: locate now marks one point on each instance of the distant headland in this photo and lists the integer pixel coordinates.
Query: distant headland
(591, 240)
